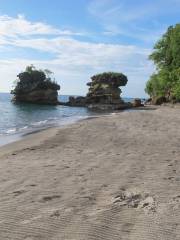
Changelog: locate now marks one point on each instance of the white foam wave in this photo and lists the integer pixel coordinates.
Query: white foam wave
(10, 131)
(39, 123)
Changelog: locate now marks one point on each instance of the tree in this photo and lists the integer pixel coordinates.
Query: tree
(48, 72)
(166, 56)
(30, 68)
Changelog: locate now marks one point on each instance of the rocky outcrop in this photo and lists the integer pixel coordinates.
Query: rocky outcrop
(33, 86)
(156, 101)
(104, 88)
(46, 96)
(77, 101)
(110, 107)
(104, 93)
(137, 102)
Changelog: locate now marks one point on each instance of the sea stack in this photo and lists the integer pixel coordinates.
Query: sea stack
(36, 86)
(104, 93)
(104, 88)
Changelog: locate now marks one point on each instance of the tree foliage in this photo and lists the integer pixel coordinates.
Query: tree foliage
(33, 79)
(166, 56)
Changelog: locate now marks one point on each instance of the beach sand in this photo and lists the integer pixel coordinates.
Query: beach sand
(111, 177)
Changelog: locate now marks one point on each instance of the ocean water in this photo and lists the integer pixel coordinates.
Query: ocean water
(19, 119)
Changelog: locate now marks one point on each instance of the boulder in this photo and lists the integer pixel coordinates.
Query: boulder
(137, 102)
(158, 100)
(77, 101)
(110, 107)
(148, 101)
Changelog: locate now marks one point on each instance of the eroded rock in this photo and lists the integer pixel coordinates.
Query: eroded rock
(35, 86)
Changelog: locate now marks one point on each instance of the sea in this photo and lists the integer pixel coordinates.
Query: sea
(17, 120)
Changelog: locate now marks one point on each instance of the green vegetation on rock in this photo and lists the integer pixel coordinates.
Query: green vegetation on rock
(104, 88)
(35, 86)
(166, 56)
(33, 79)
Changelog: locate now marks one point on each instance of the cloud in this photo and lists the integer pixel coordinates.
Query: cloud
(21, 27)
(73, 61)
(70, 46)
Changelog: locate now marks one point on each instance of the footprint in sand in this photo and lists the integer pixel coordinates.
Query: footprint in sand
(32, 185)
(19, 192)
(175, 202)
(49, 198)
(177, 199)
(31, 149)
(135, 199)
(55, 214)
(50, 165)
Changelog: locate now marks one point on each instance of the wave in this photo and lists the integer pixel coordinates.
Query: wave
(24, 118)
(50, 122)
(39, 123)
(10, 131)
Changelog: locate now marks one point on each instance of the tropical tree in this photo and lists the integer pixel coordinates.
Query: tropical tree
(166, 56)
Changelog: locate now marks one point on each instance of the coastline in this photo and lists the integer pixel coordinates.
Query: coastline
(100, 178)
(9, 139)
(37, 137)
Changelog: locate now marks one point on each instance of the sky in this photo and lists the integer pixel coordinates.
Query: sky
(79, 38)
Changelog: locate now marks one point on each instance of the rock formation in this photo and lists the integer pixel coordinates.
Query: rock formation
(137, 102)
(156, 100)
(104, 88)
(36, 86)
(104, 92)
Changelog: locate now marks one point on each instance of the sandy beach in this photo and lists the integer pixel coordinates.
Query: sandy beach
(111, 177)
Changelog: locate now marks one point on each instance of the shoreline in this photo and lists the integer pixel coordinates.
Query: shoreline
(36, 137)
(20, 136)
(101, 178)
(10, 139)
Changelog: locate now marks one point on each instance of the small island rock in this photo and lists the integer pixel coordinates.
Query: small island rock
(104, 92)
(36, 86)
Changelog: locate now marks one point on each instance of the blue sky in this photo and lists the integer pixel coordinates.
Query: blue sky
(76, 39)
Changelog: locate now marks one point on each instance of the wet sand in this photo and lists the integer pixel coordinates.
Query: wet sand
(112, 177)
